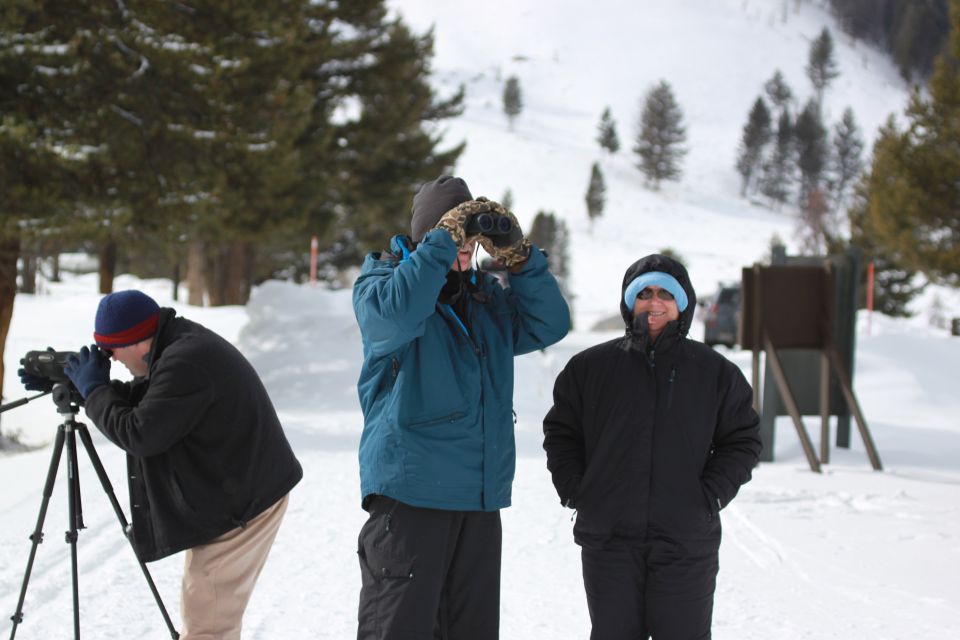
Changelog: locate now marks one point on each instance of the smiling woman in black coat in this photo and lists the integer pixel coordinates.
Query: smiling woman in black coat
(649, 437)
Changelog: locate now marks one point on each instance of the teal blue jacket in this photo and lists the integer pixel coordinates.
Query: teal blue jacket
(438, 401)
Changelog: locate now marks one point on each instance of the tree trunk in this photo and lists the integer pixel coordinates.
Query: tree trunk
(9, 251)
(239, 272)
(55, 266)
(28, 277)
(176, 280)
(108, 266)
(216, 279)
(196, 272)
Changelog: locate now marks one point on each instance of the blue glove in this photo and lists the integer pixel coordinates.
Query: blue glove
(88, 370)
(31, 382)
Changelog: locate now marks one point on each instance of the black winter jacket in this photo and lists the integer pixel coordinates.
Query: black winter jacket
(650, 440)
(206, 449)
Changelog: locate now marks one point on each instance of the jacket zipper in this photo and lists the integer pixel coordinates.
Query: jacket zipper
(452, 417)
(673, 376)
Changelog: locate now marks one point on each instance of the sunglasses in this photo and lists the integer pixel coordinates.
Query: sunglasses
(663, 294)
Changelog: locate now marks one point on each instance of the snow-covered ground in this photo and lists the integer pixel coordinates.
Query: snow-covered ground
(849, 554)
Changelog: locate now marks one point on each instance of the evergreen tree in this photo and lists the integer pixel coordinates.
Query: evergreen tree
(756, 135)
(670, 252)
(607, 133)
(507, 200)
(366, 169)
(660, 136)
(596, 193)
(550, 234)
(821, 64)
(846, 160)
(512, 99)
(811, 137)
(227, 126)
(912, 188)
(895, 286)
(778, 169)
(912, 32)
(779, 92)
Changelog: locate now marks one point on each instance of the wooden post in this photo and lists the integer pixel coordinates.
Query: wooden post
(855, 408)
(755, 364)
(824, 409)
(773, 361)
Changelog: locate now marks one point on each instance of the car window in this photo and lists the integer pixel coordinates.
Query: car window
(729, 296)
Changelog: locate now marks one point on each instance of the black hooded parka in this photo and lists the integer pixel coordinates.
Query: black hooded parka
(648, 440)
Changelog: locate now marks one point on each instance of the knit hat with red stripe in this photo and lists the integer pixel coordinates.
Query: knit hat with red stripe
(125, 318)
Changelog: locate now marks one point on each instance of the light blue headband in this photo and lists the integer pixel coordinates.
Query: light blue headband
(657, 279)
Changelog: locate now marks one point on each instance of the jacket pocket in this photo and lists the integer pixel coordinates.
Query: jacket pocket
(380, 565)
(710, 504)
(380, 559)
(433, 421)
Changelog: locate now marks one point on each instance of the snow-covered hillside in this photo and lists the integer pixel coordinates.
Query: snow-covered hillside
(573, 61)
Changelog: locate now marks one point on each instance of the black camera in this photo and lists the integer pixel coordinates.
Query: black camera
(47, 364)
(488, 224)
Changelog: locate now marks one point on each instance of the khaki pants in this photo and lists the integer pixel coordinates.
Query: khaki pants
(219, 577)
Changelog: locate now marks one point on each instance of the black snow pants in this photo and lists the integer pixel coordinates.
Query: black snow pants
(661, 589)
(428, 574)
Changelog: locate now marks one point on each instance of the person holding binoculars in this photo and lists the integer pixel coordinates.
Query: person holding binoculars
(437, 452)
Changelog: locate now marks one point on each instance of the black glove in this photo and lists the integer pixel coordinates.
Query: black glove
(31, 382)
(88, 370)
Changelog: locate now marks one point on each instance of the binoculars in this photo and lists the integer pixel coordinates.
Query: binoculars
(488, 224)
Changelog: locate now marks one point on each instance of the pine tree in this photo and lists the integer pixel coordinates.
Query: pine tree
(660, 136)
(507, 200)
(811, 137)
(550, 234)
(912, 32)
(779, 92)
(512, 99)
(895, 286)
(778, 169)
(607, 133)
(756, 135)
(912, 188)
(670, 252)
(821, 64)
(846, 159)
(596, 194)
(359, 182)
(223, 125)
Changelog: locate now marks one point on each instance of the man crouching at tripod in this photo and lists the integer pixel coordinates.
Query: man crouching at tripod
(208, 463)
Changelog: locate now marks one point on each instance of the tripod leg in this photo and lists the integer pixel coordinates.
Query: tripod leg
(73, 493)
(37, 536)
(108, 489)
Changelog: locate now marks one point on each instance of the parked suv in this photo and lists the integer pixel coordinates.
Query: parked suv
(722, 321)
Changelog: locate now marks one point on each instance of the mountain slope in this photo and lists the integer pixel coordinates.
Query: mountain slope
(572, 63)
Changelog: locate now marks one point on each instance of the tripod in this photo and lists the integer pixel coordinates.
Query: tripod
(68, 406)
